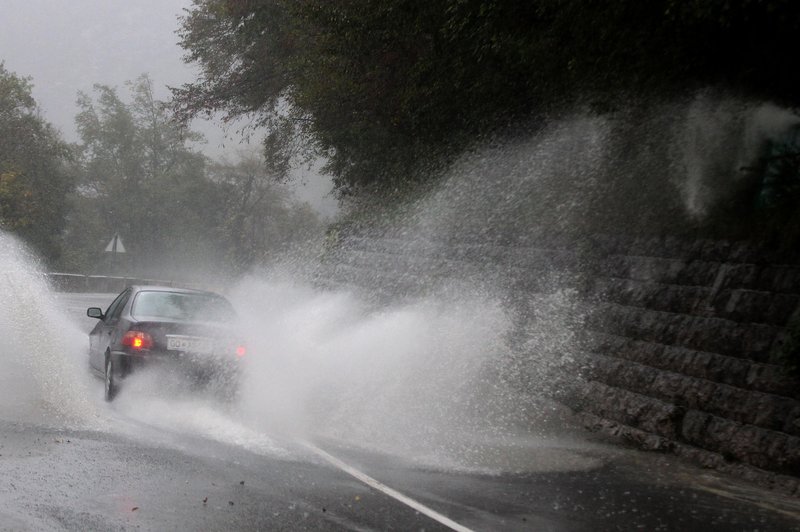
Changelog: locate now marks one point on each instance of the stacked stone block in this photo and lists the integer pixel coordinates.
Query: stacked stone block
(680, 352)
(678, 341)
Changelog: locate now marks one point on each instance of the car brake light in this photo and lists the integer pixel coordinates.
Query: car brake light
(241, 351)
(137, 340)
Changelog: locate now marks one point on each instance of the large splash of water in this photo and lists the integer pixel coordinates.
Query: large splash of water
(399, 376)
(432, 372)
(718, 140)
(42, 353)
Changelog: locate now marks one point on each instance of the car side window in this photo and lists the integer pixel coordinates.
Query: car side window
(115, 309)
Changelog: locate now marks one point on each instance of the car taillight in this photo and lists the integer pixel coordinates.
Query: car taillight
(137, 340)
(241, 351)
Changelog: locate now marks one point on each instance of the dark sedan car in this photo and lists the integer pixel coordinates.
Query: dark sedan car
(192, 332)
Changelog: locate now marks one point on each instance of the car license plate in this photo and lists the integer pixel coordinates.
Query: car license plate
(189, 344)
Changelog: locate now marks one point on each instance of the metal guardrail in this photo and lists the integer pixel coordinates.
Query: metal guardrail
(75, 282)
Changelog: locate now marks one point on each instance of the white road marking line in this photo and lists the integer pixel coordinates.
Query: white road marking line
(383, 488)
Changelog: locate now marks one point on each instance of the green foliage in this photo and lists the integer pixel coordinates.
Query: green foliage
(261, 219)
(34, 174)
(176, 212)
(387, 89)
(139, 178)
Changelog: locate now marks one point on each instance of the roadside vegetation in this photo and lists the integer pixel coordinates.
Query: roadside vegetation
(36, 169)
(137, 173)
(390, 94)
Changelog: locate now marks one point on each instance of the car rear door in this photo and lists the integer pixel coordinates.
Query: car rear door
(103, 333)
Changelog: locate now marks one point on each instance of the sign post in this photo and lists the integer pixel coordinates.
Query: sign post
(114, 247)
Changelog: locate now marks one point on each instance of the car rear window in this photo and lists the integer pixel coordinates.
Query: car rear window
(182, 306)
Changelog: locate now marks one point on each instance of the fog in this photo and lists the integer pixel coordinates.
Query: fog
(66, 47)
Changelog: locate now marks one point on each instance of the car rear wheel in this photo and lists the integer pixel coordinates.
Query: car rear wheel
(111, 384)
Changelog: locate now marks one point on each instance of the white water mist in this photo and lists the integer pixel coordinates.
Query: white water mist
(43, 360)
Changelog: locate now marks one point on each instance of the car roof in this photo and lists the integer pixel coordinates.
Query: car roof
(157, 288)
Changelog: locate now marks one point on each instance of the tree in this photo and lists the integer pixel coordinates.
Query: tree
(389, 91)
(140, 178)
(34, 173)
(260, 216)
(345, 92)
(176, 211)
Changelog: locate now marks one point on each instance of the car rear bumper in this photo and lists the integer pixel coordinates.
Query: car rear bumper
(197, 367)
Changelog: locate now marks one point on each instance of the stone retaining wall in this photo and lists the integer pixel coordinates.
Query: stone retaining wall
(681, 345)
(677, 338)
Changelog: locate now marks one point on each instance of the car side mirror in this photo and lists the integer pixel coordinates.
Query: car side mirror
(95, 312)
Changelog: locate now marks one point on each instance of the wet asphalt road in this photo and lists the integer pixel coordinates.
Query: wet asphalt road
(131, 475)
(108, 481)
(96, 481)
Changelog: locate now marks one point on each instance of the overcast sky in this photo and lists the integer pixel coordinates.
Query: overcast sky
(69, 45)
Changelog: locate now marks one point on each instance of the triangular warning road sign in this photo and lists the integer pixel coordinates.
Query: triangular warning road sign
(115, 246)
